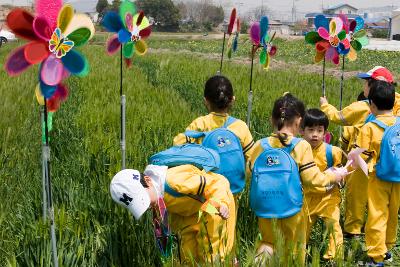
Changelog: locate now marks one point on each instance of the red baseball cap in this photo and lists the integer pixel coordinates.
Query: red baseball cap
(378, 73)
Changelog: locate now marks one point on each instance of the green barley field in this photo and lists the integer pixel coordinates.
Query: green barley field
(164, 94)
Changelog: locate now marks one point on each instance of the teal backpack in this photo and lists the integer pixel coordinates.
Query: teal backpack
(388, 166)
(193, 154)
(276, 190)
(229, 148)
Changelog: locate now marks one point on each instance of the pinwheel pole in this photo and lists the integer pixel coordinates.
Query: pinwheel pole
(222, 53)
(342, 84)
(44, 166)
(123, 116)
(250, 95)
(50, 207)
(323, 78)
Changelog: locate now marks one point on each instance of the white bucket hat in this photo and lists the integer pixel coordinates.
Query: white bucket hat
(127, 191)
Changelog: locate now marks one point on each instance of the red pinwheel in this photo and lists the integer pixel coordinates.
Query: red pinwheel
(261, 39)
(52, 34)
(233, 33)
(130, 31)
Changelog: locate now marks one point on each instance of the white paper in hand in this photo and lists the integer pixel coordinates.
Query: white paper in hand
(358, 162)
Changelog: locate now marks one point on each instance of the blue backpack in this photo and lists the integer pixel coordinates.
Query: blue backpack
(329, 155)
(229, 148)
(276, 190)
(193, 154)
(388, 166)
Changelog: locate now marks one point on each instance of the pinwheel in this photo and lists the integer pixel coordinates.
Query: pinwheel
(260, 39)
(357, 37)
(130, 31)
(52, 34)
(52, 42)
(233, 37)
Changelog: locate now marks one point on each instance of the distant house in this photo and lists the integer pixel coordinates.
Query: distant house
(279, 27)
(395, 25)
(341, 9)
(377, 23)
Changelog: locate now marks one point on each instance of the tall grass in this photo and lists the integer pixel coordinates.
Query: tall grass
(164, 94)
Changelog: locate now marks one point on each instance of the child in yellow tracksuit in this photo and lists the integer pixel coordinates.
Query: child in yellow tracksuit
(324, 204)
(218, 99)
(287, 114)
(356, 115)
(383, 195)
(181, 190)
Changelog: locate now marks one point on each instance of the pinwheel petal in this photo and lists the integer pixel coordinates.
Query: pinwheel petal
(126, 7)
(62, 92)
(364, 41)
(145, 32)
(267, 63)
(323, 33)
(129, 22)
(141, 47)
(42, 28)
(356, 45)
(140, 18)
(235, 43)
(342, 49)
(112, 22)
(319, 56)
(345, 20)
(322, 46)
(65, 17)
(352, 55)
(51, 71)
(255, 33)
(48, 9)
(346, 43)
(36, 52)
(128, 62)
(321, 21)
(75, 63)
(144, 22)
(263, 57)
(342, 35)
(80, 21)
(360, 24)
(230, 53)
(360, 34)
(39, 95)
(128, 50)
(273, 51)
(335, 26)
(353, 25)
(20, 23)
(232, 21)
(113, 45)
(124, 36)
(313, 37)
(264, 26)
(16, 62)
(47, 90)
(332, 55)
(80, 36)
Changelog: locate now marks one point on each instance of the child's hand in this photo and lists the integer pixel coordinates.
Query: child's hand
(340, 174)
(323, 100)
(224, 212)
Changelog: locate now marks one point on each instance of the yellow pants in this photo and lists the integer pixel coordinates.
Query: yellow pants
(356, 202)
(196, 236)
(327, 207)
(383, 207)
(292, 230)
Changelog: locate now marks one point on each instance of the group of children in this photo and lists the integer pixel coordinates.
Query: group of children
(294, 180)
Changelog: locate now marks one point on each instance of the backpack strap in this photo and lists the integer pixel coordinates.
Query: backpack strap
(292, 145)
(265, 143)
(380, 124)
(198, 134)
(229, 121)
(329, 155)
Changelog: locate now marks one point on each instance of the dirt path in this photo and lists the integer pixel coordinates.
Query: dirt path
(275, 64)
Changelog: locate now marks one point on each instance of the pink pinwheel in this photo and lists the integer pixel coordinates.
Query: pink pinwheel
(130, 29)
(53, 34)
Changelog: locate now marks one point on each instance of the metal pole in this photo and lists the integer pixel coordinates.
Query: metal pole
(222, 54)
(123, 117)
(323, 78)
(341, 93)
(44, 167)
(250, 95)
(49, 197)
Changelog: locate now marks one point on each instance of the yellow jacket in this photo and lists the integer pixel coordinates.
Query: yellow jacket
(216, 120)
(310, 174)
(370, 138)
(319, 154)
(189, 180)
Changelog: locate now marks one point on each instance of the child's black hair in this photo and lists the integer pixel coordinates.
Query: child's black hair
(143, 181)
(315, 117)
(361, 97)
(286, 109)
(219, 92)
(382, 94)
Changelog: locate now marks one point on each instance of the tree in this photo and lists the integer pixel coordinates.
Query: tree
(101, 8)
(165, 14)
(115, 4)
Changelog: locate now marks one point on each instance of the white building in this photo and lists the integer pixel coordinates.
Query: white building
(395, 29)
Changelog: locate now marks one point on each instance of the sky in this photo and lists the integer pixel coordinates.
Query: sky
(274, 5)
